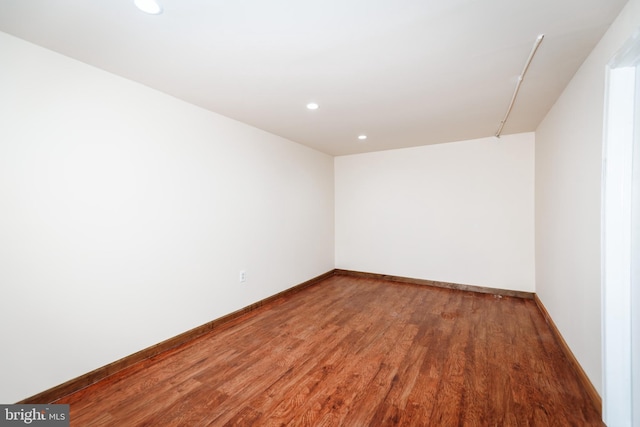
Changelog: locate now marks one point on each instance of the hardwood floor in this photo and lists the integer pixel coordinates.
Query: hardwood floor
(355, 352)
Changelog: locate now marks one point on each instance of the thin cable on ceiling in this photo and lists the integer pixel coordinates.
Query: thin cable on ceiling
(536, 44)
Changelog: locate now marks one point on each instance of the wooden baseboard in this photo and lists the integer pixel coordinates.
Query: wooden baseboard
(57, 392)
(582, 375)
(480, 289)
(85, 380)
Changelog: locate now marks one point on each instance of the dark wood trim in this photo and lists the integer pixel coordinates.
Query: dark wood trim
(470, 288)
(85, 380)
(582, 375)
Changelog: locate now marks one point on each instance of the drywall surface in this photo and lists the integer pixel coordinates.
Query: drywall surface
(126, 216)
(568, 201)
(460, 212)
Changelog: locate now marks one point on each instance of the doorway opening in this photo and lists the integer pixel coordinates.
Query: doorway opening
(621, 239)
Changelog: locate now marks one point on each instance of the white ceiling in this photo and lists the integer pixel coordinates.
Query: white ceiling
(405, 72)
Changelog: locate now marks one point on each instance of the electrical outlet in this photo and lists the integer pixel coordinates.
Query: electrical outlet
(243, 276)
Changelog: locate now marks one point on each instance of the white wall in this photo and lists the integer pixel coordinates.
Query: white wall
(568, 201)
(460, 212)
(126, 216)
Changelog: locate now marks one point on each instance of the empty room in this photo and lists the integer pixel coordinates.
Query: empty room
(340, 213)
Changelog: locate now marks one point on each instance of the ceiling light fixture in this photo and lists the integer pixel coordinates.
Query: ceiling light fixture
(362, 137)
(536, 45)
(148, 6)
(312, 106)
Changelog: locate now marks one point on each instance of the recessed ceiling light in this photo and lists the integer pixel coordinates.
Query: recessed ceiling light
(312, 106)
(362, 137)
(148, 6)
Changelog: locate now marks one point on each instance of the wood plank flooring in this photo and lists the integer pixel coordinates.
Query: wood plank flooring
(355, 352)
